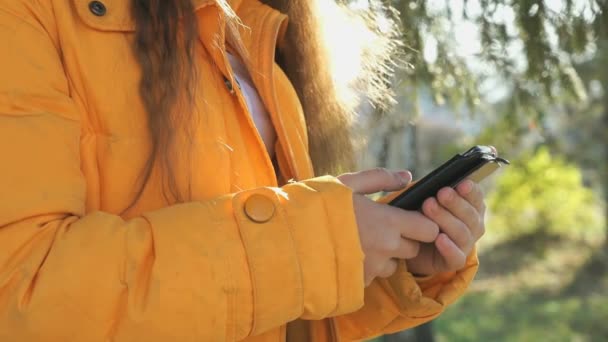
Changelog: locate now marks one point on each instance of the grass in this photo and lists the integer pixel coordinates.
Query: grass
(538, 288)
(526, 316)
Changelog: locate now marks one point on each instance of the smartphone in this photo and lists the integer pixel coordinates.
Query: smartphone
(475, 164)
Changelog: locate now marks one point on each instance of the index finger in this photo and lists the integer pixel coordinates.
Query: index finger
(375, 180)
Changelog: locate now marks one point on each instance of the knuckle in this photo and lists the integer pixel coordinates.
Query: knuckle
(476, 224)
(479, 222)
(380, 171)
(482, 230)
(483, 206)
(470, 241)
(392, 177)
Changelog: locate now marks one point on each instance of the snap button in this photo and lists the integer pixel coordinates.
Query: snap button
(229, 85)
(259, 208)
(97, 8)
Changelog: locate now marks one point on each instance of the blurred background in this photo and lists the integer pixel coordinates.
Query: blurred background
(531, 78)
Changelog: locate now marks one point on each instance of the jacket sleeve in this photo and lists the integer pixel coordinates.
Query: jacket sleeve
(403, 301)
(200, 271)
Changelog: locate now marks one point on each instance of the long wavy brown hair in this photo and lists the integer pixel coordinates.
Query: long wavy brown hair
(164, 47)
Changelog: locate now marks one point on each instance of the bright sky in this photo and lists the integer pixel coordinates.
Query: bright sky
(466, 34)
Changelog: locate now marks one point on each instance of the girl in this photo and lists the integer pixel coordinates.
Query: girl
(160, 184)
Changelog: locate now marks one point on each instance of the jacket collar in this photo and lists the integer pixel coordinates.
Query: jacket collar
(263, 28)
(118, 14)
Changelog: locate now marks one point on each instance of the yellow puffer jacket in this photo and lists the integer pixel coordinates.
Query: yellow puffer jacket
(238, 262)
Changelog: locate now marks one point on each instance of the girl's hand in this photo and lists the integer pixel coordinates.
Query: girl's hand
(460, 216)
(387, 233)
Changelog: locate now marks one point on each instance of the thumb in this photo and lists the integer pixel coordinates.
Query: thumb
(375, 180)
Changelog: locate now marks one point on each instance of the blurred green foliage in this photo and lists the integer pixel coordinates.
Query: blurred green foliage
(544, 262)
(525, 316)
(543, 192)
(532, 46)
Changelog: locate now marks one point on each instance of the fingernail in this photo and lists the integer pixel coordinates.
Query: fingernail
(405, 177)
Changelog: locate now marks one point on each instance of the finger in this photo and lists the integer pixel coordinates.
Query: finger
(389, 269)
(452, 257)
(376, 180)
(407, 249)
(448, 223)
(473, 193)
(411, 224)
(461, 209)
